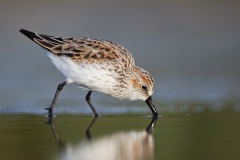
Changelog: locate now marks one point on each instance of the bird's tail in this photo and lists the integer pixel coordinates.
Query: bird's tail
(45, 41)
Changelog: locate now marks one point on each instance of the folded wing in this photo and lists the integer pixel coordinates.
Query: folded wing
(83, 49)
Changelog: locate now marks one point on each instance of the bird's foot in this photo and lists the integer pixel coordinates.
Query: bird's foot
(96, 115)
(50, 114)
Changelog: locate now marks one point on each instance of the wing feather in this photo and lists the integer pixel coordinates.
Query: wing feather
(83, 49)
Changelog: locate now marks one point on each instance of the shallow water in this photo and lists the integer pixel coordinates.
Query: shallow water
(208, 135)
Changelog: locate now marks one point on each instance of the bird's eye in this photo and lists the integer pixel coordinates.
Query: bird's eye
(144, 87)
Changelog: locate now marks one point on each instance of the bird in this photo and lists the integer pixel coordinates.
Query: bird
(96, 65)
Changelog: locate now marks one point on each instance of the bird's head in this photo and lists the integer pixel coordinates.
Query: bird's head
(142, 86)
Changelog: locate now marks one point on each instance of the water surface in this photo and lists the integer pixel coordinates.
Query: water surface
(208, 135)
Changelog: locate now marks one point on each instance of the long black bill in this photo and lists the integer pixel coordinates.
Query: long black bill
(152, 106)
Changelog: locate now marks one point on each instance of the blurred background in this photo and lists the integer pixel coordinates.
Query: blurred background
(190, 47)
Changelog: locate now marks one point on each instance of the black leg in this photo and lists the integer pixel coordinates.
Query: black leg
(50, 109)
(88, 99)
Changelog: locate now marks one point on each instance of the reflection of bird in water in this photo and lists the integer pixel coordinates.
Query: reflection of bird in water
(120, 146)
(133, 145)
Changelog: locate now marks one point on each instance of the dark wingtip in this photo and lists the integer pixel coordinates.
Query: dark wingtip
(29, 34)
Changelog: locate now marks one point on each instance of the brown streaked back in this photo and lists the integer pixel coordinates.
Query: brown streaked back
(82, 49)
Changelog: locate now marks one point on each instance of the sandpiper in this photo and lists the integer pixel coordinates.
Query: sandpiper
(96, 65)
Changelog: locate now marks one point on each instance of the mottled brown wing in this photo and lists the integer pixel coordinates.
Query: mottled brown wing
(83, 49)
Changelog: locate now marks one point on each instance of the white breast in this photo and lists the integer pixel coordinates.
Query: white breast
(94, 76)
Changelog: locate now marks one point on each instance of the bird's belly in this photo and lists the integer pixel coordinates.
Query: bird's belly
(92, 76)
